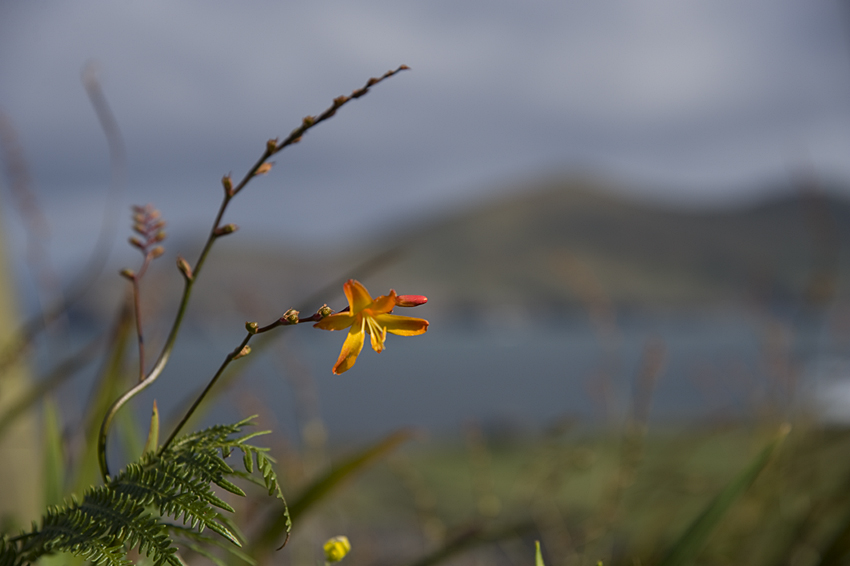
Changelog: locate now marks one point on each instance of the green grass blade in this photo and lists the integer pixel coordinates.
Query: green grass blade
(838, 549)
(130, 435)
(25, 400)
(326, 483)
(538, 556)
(152, 443)
(473, 537)
(694, 538)
(54, 462)
(112, 379)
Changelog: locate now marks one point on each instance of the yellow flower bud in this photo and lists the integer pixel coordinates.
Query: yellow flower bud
(336, 549)
(264, 168)
(225, 230)
(243, 352)
(185, 268)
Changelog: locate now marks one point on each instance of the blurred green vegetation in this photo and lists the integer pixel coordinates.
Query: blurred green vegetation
(596, 495)
(753, 491)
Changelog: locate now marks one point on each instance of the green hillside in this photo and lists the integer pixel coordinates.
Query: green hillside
(559, 246)
(572, 242)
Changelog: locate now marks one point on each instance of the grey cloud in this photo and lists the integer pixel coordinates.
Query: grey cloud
(683, 95)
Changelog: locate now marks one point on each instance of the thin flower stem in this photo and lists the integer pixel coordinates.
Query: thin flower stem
(272, 147)
(230, 357)
(238, 352)
(137, 311)
(161, 362)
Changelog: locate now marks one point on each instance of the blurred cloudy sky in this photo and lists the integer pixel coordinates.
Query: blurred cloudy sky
(691, 100)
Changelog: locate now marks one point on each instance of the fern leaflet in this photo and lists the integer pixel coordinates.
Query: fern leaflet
(130, 510)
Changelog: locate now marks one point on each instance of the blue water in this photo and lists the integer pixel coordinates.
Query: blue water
(509, 378)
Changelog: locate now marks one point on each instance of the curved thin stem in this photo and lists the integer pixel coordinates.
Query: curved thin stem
(240, 351)
(137, 311)
(161, 362)
(230, 357)
(272, 147)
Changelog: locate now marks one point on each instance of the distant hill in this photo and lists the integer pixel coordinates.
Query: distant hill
(573, 243)
(565, 245)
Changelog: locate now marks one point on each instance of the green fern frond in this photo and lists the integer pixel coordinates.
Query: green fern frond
(100, 529)
(197, 542)
(8, 553)
(128, 511)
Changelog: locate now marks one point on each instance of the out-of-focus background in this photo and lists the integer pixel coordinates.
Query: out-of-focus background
(566, 181)
(539, 165)
(619, 211)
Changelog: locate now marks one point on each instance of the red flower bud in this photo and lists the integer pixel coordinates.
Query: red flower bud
(410, 300)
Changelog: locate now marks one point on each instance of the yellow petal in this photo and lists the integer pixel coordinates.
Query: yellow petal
(339, 321)
(357, 295)
(383, 304)
(350, 349)
(402, 325)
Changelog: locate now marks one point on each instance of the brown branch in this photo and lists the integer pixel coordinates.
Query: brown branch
(216, 232)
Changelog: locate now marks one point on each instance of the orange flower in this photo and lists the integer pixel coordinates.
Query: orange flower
(368, 316)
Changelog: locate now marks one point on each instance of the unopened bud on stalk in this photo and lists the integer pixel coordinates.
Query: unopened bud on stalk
(264, 168)
(157, 251)
(226, 229)
(251, 327)
(410, 300)
(271, 146)
(160, 236)
(308, 121)
(227, 183)
(336, 549)
(324, 311)
(128, 273)
(290, 316)
(136, 243)
(184, 268)
(243, 352)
